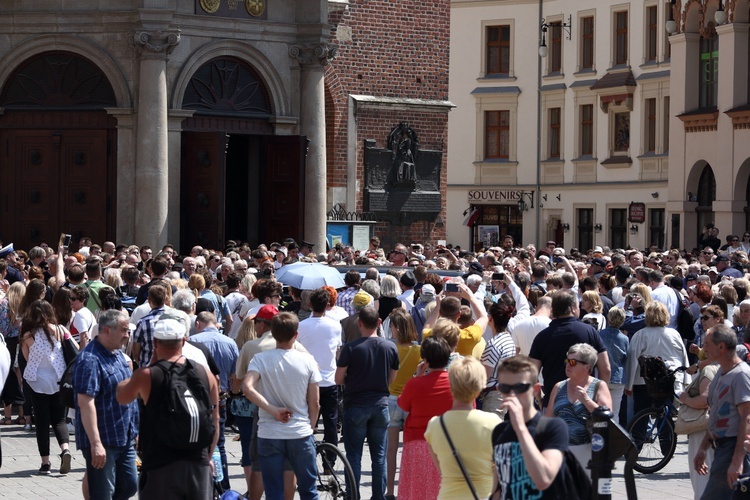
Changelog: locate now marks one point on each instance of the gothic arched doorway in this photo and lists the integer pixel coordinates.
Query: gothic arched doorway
(58, 163)
(238, 180)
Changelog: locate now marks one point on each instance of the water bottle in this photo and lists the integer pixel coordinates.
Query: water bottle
(218, 471)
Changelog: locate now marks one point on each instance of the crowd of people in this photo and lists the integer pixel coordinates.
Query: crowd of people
(486, 365)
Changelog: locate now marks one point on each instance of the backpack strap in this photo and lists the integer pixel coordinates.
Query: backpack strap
(458, 459)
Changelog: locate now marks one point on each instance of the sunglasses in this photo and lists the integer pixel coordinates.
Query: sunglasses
(706, 317)
(574, 362)
(519, 388)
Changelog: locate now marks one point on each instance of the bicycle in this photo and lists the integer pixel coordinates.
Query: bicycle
(652, 429)
(334, 477)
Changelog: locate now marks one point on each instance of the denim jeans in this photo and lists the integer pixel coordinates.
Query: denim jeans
(717, 487)
(329, 412)
(117, 479)
(220, 444)
(245, 426)
(300, 453)
(369, 422)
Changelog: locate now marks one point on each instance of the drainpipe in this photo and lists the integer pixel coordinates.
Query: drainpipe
(539, 134)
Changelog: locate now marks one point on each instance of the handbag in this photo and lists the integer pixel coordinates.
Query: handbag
(240, 406)
(690, 420)
(458, 459)
(70, 353)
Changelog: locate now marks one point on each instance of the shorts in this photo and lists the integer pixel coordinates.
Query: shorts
(398, 416)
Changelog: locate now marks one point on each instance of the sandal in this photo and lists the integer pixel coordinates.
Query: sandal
(20, 421)
(6, 421)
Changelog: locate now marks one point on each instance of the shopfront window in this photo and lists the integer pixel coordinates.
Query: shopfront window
(494, 222)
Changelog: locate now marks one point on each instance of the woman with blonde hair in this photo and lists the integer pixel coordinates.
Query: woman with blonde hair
(10, 324)
(409, 356)
(389, 289)
(592, 305)
(246, 331)
(470, 431)
(657, 340)
(635, 304)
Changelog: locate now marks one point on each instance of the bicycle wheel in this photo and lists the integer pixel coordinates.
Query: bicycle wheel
(335, 478)
(653, 434)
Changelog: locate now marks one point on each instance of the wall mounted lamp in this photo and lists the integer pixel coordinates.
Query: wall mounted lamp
(671, 24)
(598, 227)
(720, 16)
(655, 194)
(522, 205)
(565, 227)
(568, 27)
(634, 229)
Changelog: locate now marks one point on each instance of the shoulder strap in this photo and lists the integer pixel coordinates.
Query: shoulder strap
(93, 295)
(458, 459)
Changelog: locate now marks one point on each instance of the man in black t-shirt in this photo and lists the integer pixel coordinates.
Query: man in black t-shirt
(549, 347)
(366, 367)
(528, 462)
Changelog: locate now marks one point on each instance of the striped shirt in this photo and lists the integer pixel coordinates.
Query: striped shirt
(144, 335)
(499, 347)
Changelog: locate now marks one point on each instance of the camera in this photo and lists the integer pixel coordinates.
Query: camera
(498, 276)
(451, 287)
(557, 260)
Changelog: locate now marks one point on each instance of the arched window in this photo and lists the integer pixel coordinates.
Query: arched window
(58, 80)
(706, 197)
(227, 87)
(708, 80)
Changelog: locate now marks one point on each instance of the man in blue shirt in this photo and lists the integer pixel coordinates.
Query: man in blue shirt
(105, 429)
(225, 353)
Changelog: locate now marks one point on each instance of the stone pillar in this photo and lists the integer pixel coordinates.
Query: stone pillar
(152, 167)
(312, 60)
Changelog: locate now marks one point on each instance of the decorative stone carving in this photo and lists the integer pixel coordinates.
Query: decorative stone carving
(156, 42)
(402, 181)
(313, 54)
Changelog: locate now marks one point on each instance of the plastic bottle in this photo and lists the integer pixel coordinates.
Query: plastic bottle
(218, 471)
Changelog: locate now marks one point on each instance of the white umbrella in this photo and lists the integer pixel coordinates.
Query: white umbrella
(310, 276)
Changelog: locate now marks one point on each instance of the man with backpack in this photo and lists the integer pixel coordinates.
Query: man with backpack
(179, 419)
(529, 452)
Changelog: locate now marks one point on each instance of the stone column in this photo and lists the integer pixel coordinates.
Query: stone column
(312, 60)
(152, 167)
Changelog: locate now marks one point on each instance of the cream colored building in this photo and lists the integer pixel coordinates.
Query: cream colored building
(582, 134)
(710, 139)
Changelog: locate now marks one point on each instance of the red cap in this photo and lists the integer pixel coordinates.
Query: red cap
(267, 312)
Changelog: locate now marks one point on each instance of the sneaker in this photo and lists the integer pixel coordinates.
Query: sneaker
(71, 428)
(65, 462)
(27, 427)
(45, 469)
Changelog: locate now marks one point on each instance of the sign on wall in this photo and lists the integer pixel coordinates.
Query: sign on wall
(493, 196)
(637, 212)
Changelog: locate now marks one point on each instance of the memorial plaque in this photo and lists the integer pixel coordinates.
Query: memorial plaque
(402, 182)
(237, 9)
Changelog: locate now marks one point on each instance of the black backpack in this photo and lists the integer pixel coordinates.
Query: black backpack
(574, 478)
(684, 321)
(185, 419)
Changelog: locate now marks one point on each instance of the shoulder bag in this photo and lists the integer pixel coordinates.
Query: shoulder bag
(458, 459)
(690, 420)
